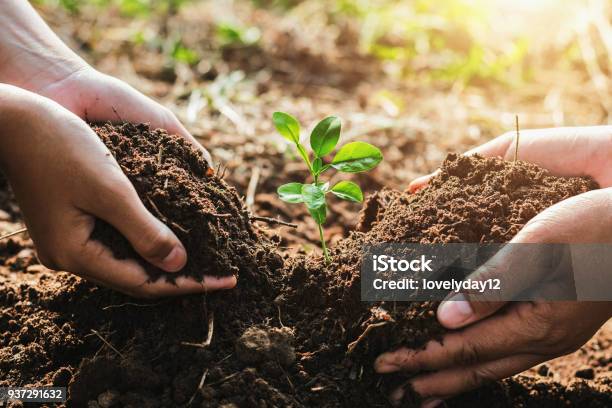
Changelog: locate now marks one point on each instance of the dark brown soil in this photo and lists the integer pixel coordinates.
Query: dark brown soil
(179, 187)
(282, 337)
(472, 199)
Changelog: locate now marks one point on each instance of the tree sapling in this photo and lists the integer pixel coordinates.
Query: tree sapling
(353, 157)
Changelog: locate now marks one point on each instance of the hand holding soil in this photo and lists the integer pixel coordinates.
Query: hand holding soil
(499, 339)
(64, 177)
(61, 172)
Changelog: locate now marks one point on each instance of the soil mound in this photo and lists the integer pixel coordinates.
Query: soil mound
(474, 199)
(178, 186)
(471, 199)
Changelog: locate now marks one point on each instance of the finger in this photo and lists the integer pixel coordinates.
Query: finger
(420, 182)
(491, 339)
(117, 203)
(184, 285)
(124, 103)
(97, 263)
(565, 151)
(458, 311)
(506, 276)
(447, 383)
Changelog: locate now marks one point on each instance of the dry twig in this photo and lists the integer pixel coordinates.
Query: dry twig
(252, 188)
(107, 343)
(370, 327)
(272, 221)
(10, 234)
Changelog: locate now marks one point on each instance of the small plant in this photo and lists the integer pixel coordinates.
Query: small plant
(353, 157)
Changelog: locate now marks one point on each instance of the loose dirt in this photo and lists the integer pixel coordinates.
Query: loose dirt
(294, 332)
(178, 186)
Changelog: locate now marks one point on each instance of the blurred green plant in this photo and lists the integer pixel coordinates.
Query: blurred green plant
(353, 157)
(181, 53)
(438, 40)
(229, 34)
(128, 8)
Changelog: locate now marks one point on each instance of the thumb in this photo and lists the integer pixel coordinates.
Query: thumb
(459, 311)
(149, 237)
(517, 271)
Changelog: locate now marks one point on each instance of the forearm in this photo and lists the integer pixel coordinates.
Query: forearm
(31, 55)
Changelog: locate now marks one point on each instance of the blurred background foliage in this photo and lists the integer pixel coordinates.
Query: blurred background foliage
(432, 40)
(418, 78)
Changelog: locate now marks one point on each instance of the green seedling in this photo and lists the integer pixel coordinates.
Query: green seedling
(353, 157)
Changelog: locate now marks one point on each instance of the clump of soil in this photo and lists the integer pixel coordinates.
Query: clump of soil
(474, 199)
(296, 335)
(178, 186)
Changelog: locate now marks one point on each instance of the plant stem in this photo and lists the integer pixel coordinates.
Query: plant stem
(323, 245)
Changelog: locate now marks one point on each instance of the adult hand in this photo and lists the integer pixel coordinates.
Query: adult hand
(493, 340)
(32, 57)
(96, 97)
(64, 177)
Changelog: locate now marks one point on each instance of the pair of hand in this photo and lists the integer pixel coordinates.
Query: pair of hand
(494, 340)
(62, 174)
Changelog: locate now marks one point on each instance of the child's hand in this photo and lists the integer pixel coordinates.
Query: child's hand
(64, 177)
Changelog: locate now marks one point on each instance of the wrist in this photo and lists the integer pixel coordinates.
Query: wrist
(32, 57)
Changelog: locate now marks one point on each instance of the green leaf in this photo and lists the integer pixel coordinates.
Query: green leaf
(313, 196)
(355, 157)
(287, 126)
(325, 136)
(291, 192)
(319, 214)
(347, 190)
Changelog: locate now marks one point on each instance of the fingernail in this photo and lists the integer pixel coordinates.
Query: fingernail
(455, 311)
(175, 260)
(432, 403)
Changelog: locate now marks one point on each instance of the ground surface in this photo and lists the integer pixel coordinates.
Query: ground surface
(290, 335)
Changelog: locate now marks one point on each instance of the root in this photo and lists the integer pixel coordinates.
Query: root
(161, 216)
(224, 379)
(179, 227)
(209, 335)
(272, 221)
(351, 347)
(130, 304)
(107, 343)
(200, 385)
(215, 215)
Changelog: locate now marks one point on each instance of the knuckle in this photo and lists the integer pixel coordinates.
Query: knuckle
(540, 322)
(468, 354)
(478, 377)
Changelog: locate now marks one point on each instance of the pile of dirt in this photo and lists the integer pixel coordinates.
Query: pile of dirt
(293, 332)
(175, 183)
(472, 199)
